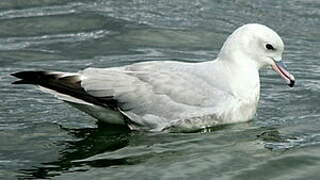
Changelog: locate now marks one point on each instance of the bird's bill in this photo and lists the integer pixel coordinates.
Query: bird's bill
(281, 69)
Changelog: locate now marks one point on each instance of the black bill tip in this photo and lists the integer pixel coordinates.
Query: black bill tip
(291, 84)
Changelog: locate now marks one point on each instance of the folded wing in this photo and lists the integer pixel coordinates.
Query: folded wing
(155, 95)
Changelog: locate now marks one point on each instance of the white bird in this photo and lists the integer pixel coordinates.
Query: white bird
(174, 96)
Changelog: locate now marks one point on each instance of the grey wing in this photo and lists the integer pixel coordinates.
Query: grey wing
(151, 95)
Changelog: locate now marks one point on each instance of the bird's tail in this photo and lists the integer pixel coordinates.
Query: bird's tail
(65, 83)
(60, 84)
(65, 86)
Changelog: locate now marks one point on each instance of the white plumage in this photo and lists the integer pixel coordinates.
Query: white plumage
(178, 96)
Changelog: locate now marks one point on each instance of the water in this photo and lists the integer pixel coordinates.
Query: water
(41, 137)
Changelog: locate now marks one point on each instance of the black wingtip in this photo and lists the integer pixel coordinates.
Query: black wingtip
(28, 77)
(28, 74)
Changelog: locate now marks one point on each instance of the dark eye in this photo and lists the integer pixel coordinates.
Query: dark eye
(269, 47)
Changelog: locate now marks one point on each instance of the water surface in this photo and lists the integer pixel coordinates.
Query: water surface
(42, 137)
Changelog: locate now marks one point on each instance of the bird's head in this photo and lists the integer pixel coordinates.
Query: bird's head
(260, 45)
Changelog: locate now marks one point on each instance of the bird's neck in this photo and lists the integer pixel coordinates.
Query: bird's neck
(243, 78)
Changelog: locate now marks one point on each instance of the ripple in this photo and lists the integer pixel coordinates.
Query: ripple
(24, 42)
(294, 142)
(42, 11)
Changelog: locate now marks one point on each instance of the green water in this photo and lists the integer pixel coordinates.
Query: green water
(42, 137)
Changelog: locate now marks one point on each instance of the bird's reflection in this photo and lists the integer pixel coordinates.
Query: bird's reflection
(92, 141)
(91, 147)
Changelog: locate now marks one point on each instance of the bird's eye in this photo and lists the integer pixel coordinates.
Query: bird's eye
(269, 47)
